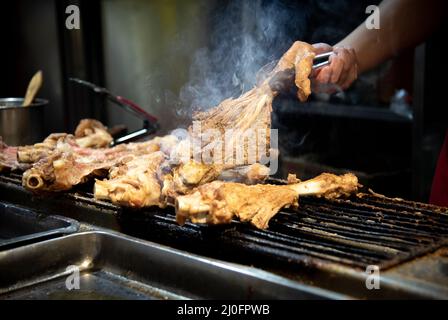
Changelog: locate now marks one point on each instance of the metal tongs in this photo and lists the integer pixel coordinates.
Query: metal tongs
(276, 80)
(321, 60)
(150, 123)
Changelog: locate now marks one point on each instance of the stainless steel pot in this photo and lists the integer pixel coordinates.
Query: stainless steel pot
(22, 125)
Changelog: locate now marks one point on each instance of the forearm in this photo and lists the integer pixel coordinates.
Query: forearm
(403, 24)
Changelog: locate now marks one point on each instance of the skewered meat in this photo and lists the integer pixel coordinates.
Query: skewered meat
(218, 202)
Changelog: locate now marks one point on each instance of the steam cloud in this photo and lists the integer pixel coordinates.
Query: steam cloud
(245, 36)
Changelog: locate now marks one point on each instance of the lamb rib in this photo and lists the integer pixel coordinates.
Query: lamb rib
(185, 178)
(218, 202)
(33, 153)
(66, 167)
(69, 165)
(88, 134)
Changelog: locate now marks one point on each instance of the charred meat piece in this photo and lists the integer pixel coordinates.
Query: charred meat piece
(88, 134)
(299, 59)
(69, 165)
(66, 167)
(218, 202)
(186, 177)
(251, 174)
(8, 158)
(249, 114)
(33, 153)
(91, 133)
(134, 182)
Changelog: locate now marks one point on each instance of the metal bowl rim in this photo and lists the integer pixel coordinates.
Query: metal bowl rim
(38, 102)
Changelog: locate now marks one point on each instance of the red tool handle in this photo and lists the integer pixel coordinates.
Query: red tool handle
(136, 108)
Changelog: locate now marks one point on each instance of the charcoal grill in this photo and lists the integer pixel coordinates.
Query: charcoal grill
(324, 243)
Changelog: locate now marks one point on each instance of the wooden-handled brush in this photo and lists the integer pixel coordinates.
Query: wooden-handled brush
(33, 88)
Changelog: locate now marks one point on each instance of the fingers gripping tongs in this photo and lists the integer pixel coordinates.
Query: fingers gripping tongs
(150, 123)
(280, 78)
(321, 60)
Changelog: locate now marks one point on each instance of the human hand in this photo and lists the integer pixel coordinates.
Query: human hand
(339, 74)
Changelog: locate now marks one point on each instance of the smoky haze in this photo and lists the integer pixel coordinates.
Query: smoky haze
(244, 36)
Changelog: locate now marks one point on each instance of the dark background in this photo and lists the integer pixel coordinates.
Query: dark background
(148, 51)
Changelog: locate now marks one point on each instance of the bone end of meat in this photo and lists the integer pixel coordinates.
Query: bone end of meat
(32, 180)
(191, 208)
(328, 185)
(101, 190)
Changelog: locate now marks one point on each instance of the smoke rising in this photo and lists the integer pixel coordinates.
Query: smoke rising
(244, 36)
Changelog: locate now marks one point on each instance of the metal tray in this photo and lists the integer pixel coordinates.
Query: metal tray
(20, 226)
(114, 266)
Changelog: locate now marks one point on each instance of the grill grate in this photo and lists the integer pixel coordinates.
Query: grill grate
(356, 232)
(364, 232)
